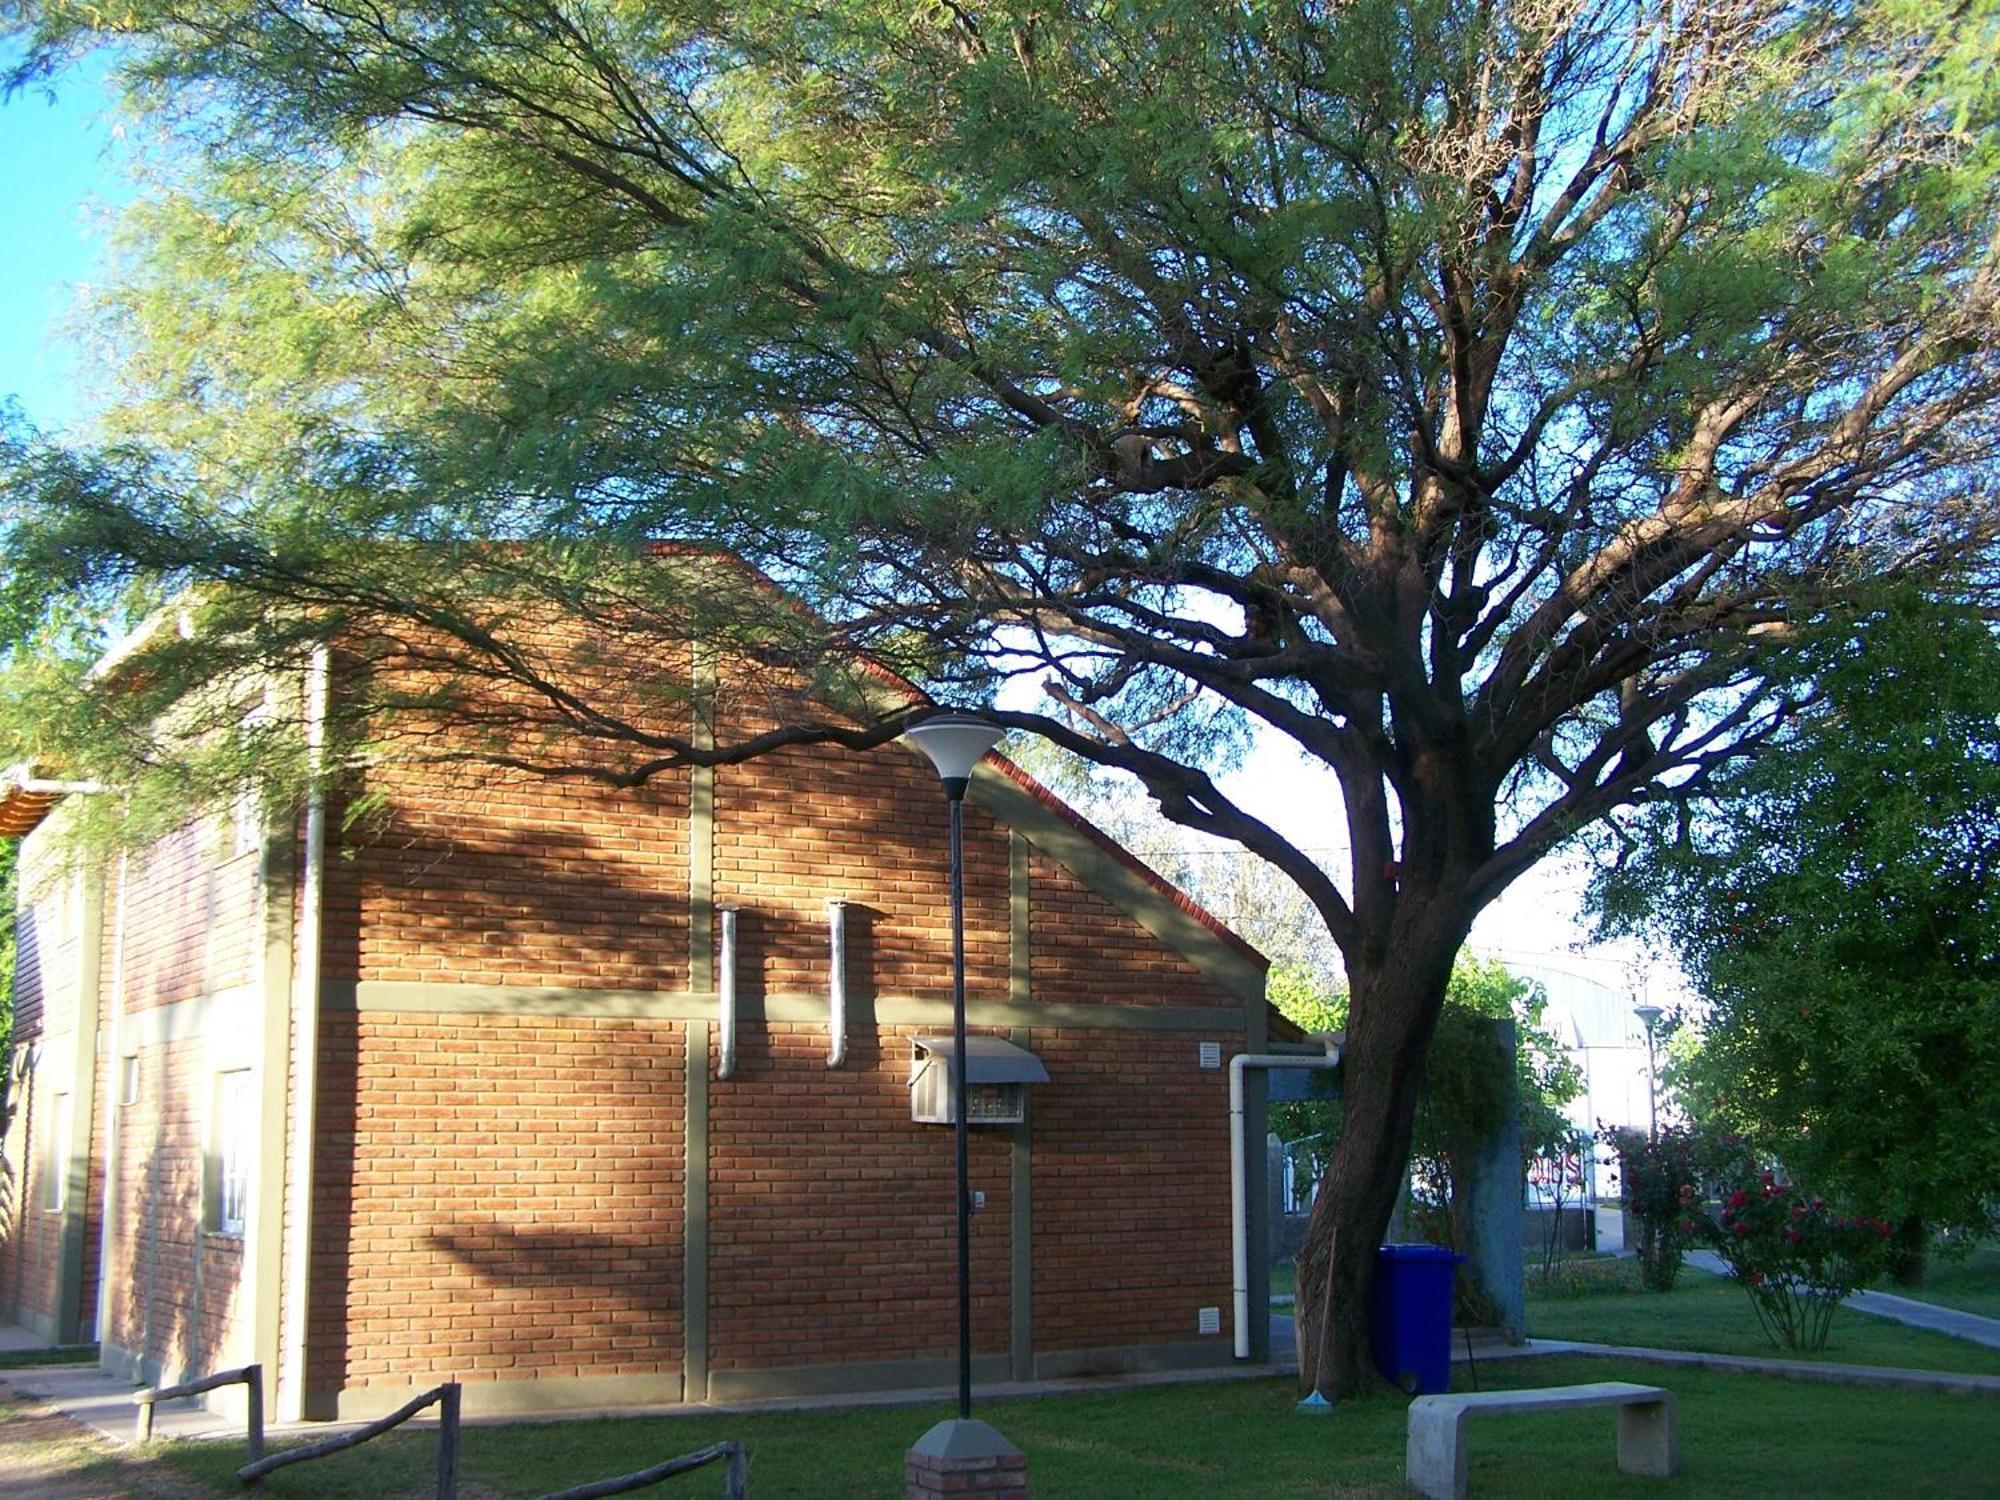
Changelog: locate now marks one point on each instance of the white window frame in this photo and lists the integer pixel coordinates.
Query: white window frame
(55, 1163)
(235, 1137)
(246, 822)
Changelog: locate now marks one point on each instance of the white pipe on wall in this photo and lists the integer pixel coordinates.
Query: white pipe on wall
(304, 1062)
(1239, 1207)
(725, 987)
(836, 984)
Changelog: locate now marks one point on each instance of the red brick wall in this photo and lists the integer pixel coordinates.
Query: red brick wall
(30, 1260)
(191, 925)
(511, 879)
(50, 925)
(1087, 950)
(158, 1310)
(832, 1218)
(1131, 1183)
(501, 1197)
(495, 1198)
(800, 828)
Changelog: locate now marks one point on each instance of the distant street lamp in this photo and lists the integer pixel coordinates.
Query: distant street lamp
(955, 744)
(1650, 1015)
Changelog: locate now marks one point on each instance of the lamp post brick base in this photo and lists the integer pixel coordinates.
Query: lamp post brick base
(963, 1457)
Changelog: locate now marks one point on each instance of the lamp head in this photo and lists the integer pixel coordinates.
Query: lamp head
(1649, 1015)
(955, 744)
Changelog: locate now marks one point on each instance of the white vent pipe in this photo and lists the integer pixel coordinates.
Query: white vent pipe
(836, 984)
(1239, 1207)
(725, 988)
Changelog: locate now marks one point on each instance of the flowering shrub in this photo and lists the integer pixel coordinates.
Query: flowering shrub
(1659, 1174)
(1793, 1254)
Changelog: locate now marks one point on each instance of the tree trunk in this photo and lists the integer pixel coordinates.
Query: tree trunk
(1393, 1010)
(1909, 1251)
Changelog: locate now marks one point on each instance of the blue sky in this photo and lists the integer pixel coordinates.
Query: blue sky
(58, 179)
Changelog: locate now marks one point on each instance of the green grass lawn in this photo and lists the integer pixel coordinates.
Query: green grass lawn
(1739, 1436)
(62, 1354)
(1972, 1284)
(1713, 1314)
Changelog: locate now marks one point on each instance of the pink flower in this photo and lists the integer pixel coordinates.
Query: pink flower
(1738, 1198)
(1755, 1278)
(1792, 1236)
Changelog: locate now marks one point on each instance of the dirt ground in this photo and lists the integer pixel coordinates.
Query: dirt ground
(46, 1456)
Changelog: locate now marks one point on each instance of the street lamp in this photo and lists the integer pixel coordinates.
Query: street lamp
(1650, 1015)
(955, 744)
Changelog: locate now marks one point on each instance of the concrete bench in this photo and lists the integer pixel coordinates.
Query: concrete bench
(1434, 1462)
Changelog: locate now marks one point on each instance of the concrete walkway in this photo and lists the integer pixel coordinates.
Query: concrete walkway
(1960, 1325)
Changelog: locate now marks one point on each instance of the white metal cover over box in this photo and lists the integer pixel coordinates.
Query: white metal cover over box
(997, 1075)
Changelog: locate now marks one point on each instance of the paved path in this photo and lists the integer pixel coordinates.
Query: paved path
(46, 1454)
(1960, 1325)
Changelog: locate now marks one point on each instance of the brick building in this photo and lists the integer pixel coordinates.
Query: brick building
(450, 1097)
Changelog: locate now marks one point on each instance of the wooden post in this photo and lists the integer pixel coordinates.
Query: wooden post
(253, 1380)
(736, 1478)
(145, 1432)
(448, 1442)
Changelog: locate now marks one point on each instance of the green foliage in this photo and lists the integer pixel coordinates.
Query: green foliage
(1662, 1176)
(1796, 1257)
(1468, 1091)
(1303, 998)
(1837, 902)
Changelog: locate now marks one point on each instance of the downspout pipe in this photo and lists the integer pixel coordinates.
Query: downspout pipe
(1239, 1207)
(725, 993)
(836, 984)
(304, 1061)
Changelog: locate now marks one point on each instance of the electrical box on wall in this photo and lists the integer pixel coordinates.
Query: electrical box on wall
(997, 1076)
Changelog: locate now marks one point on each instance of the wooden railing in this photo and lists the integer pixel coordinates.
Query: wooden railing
(736, 1472)
(251, 1376)
(444, 1397)
(736, 1478)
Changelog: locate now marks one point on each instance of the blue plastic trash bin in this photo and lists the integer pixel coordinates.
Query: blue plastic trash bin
(1410, 1317)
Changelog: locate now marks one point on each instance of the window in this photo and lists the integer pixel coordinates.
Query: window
(235, 1139)
(128, 1079)
(55, 1158)
(246, 823)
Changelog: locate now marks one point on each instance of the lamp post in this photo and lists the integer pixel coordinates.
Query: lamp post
(1650, 1015)
(955, 743)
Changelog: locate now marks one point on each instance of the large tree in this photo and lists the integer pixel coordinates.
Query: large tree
(1474, 393)
(1837, 904)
